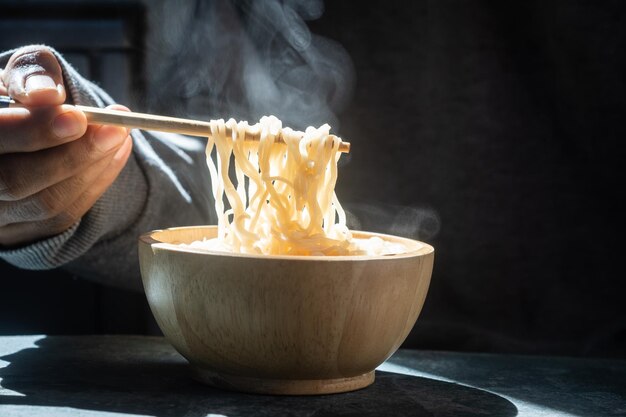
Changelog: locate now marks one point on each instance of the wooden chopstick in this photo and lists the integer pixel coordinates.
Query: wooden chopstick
(145, 121)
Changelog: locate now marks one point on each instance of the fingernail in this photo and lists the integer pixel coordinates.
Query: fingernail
(39, 82)
(108, 137)
(66, 125)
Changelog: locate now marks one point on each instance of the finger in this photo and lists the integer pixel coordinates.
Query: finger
(24, 174)
(51, 201)
(34, 77)
(29, 130)
(118, 107)
(27, 232)
(3, 89)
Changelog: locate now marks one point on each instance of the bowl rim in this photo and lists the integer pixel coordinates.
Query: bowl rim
(148, 238)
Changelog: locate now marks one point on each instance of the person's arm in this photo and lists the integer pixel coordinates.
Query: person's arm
(162, 183)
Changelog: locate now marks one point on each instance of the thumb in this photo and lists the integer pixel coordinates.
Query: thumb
(33, 77)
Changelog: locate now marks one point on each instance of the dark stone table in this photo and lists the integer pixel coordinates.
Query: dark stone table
(133, 375)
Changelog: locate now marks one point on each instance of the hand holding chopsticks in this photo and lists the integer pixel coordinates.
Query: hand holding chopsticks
(145, 121)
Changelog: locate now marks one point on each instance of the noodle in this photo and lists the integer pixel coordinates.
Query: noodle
(283, 200)
(288, 205)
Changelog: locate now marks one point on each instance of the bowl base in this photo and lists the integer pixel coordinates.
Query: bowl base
(282, 386)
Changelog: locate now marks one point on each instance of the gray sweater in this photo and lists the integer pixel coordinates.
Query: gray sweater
(164, 183)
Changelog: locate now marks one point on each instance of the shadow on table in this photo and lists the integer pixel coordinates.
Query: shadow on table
(146, 376)
(546, 385)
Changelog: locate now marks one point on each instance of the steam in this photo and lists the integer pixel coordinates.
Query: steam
(419, 223)
(245, 59)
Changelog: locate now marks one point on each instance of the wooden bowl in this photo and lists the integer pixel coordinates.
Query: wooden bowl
(282, 324)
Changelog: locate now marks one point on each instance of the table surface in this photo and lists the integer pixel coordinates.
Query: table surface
(137, 375)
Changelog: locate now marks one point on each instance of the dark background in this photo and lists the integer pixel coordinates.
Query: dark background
(490, 130)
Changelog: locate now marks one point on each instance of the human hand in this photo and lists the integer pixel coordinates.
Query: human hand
(53, 167)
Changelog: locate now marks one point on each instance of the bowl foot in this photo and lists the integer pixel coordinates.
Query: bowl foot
(282, 386)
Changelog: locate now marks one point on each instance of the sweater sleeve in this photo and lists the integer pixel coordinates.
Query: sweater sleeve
(163, 184)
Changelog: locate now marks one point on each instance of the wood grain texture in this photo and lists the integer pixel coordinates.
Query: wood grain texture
(287, 322)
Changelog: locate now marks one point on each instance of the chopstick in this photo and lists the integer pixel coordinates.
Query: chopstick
(145, 121)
